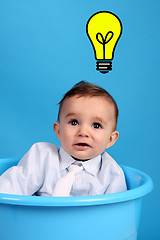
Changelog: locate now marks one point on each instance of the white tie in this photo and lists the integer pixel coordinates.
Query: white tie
(64, 184)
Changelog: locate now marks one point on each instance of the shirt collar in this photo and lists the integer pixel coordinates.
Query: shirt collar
(92, 166)
(65, 159)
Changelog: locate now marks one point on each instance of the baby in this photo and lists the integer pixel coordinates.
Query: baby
(86, 126)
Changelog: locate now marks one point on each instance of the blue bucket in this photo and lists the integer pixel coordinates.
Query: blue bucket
(114, 216)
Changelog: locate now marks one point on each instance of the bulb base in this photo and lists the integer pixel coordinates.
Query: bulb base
(104, 66)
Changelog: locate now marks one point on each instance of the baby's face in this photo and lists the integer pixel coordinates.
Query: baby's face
(86, 126)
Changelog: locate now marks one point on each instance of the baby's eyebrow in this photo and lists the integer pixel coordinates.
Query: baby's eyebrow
(99, 119)
(70, 115)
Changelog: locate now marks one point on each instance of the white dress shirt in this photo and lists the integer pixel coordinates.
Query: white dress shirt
(45, 163)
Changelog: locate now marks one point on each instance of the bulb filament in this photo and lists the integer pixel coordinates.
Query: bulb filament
(105, 40)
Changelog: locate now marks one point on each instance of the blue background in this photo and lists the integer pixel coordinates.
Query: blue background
(44, 50)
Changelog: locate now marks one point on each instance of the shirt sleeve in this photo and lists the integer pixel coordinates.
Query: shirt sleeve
(117, 182)
(27, 177)
(114, 177)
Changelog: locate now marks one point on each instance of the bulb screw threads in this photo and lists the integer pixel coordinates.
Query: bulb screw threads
(104, 66)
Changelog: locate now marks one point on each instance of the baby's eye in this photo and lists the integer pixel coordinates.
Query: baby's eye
(73, 122)
(97, 125)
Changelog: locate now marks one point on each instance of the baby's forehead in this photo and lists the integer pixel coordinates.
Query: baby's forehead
(80, 98)
(80, 103)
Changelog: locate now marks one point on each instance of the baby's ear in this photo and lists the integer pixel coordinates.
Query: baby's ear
(56, 129)
(113, 138)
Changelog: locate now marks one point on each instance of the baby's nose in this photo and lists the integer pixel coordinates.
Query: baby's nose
(83, 132)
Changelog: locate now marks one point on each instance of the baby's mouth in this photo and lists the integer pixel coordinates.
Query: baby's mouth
(82, 145)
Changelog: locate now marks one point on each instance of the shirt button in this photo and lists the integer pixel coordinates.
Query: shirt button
(78, 179)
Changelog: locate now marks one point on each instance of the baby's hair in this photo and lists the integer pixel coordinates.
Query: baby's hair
(82, 89)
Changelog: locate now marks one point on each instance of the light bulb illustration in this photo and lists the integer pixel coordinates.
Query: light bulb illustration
(104, 30)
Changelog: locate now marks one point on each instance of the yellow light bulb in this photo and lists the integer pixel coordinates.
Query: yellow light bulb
(104, 30)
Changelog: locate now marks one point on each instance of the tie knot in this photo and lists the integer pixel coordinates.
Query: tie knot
(75, 168)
